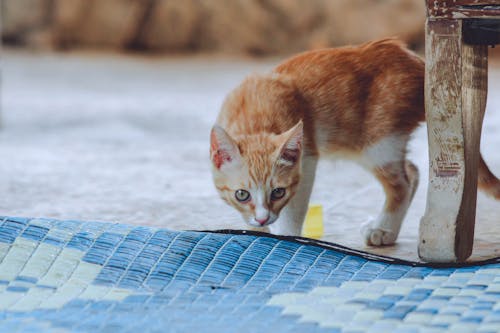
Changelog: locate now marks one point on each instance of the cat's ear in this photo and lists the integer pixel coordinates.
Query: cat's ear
(223, 149)
(291, 149)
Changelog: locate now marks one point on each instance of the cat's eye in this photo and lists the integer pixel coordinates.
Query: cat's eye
(278, 193)
(242, 195)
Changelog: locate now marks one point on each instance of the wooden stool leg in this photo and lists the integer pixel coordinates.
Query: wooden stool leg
(455, 99)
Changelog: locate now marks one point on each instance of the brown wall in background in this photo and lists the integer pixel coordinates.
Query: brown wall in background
(258, 27)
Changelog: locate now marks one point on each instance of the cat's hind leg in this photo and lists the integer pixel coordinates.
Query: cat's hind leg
(399, 179)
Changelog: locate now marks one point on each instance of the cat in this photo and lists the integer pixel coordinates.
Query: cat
(358, 102)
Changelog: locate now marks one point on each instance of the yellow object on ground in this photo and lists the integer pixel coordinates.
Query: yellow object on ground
(313, 225)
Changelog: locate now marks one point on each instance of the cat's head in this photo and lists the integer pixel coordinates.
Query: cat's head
(257, 174)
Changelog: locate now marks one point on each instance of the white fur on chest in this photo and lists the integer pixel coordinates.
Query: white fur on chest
(383, 152)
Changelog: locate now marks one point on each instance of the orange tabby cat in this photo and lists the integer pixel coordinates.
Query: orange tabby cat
(360, 103)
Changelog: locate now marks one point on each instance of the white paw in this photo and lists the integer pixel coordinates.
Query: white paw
(376, 236)
(283, 229)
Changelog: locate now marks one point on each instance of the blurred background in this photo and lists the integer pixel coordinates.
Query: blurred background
(255, 27)
(107, 105)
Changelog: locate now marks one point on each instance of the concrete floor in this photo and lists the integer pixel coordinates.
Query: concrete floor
(121, 138)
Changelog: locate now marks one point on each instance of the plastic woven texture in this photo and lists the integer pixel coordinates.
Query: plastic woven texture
(73, 276)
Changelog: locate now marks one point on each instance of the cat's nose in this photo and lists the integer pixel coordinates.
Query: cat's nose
(263, 220)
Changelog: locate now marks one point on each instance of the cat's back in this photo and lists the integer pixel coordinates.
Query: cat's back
(346, 97)
(360, 94)
(369, 59)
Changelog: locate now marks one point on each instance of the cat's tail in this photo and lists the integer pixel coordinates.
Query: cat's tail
(486, 180)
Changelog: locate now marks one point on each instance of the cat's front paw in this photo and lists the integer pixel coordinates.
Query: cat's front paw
(376, 236)
(260, 229)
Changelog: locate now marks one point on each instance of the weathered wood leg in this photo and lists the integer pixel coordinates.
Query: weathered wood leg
(455, 99)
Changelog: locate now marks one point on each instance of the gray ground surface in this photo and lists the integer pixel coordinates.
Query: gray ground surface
(116, 138)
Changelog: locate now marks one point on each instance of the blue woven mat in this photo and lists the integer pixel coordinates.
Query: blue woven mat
(72, 276)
